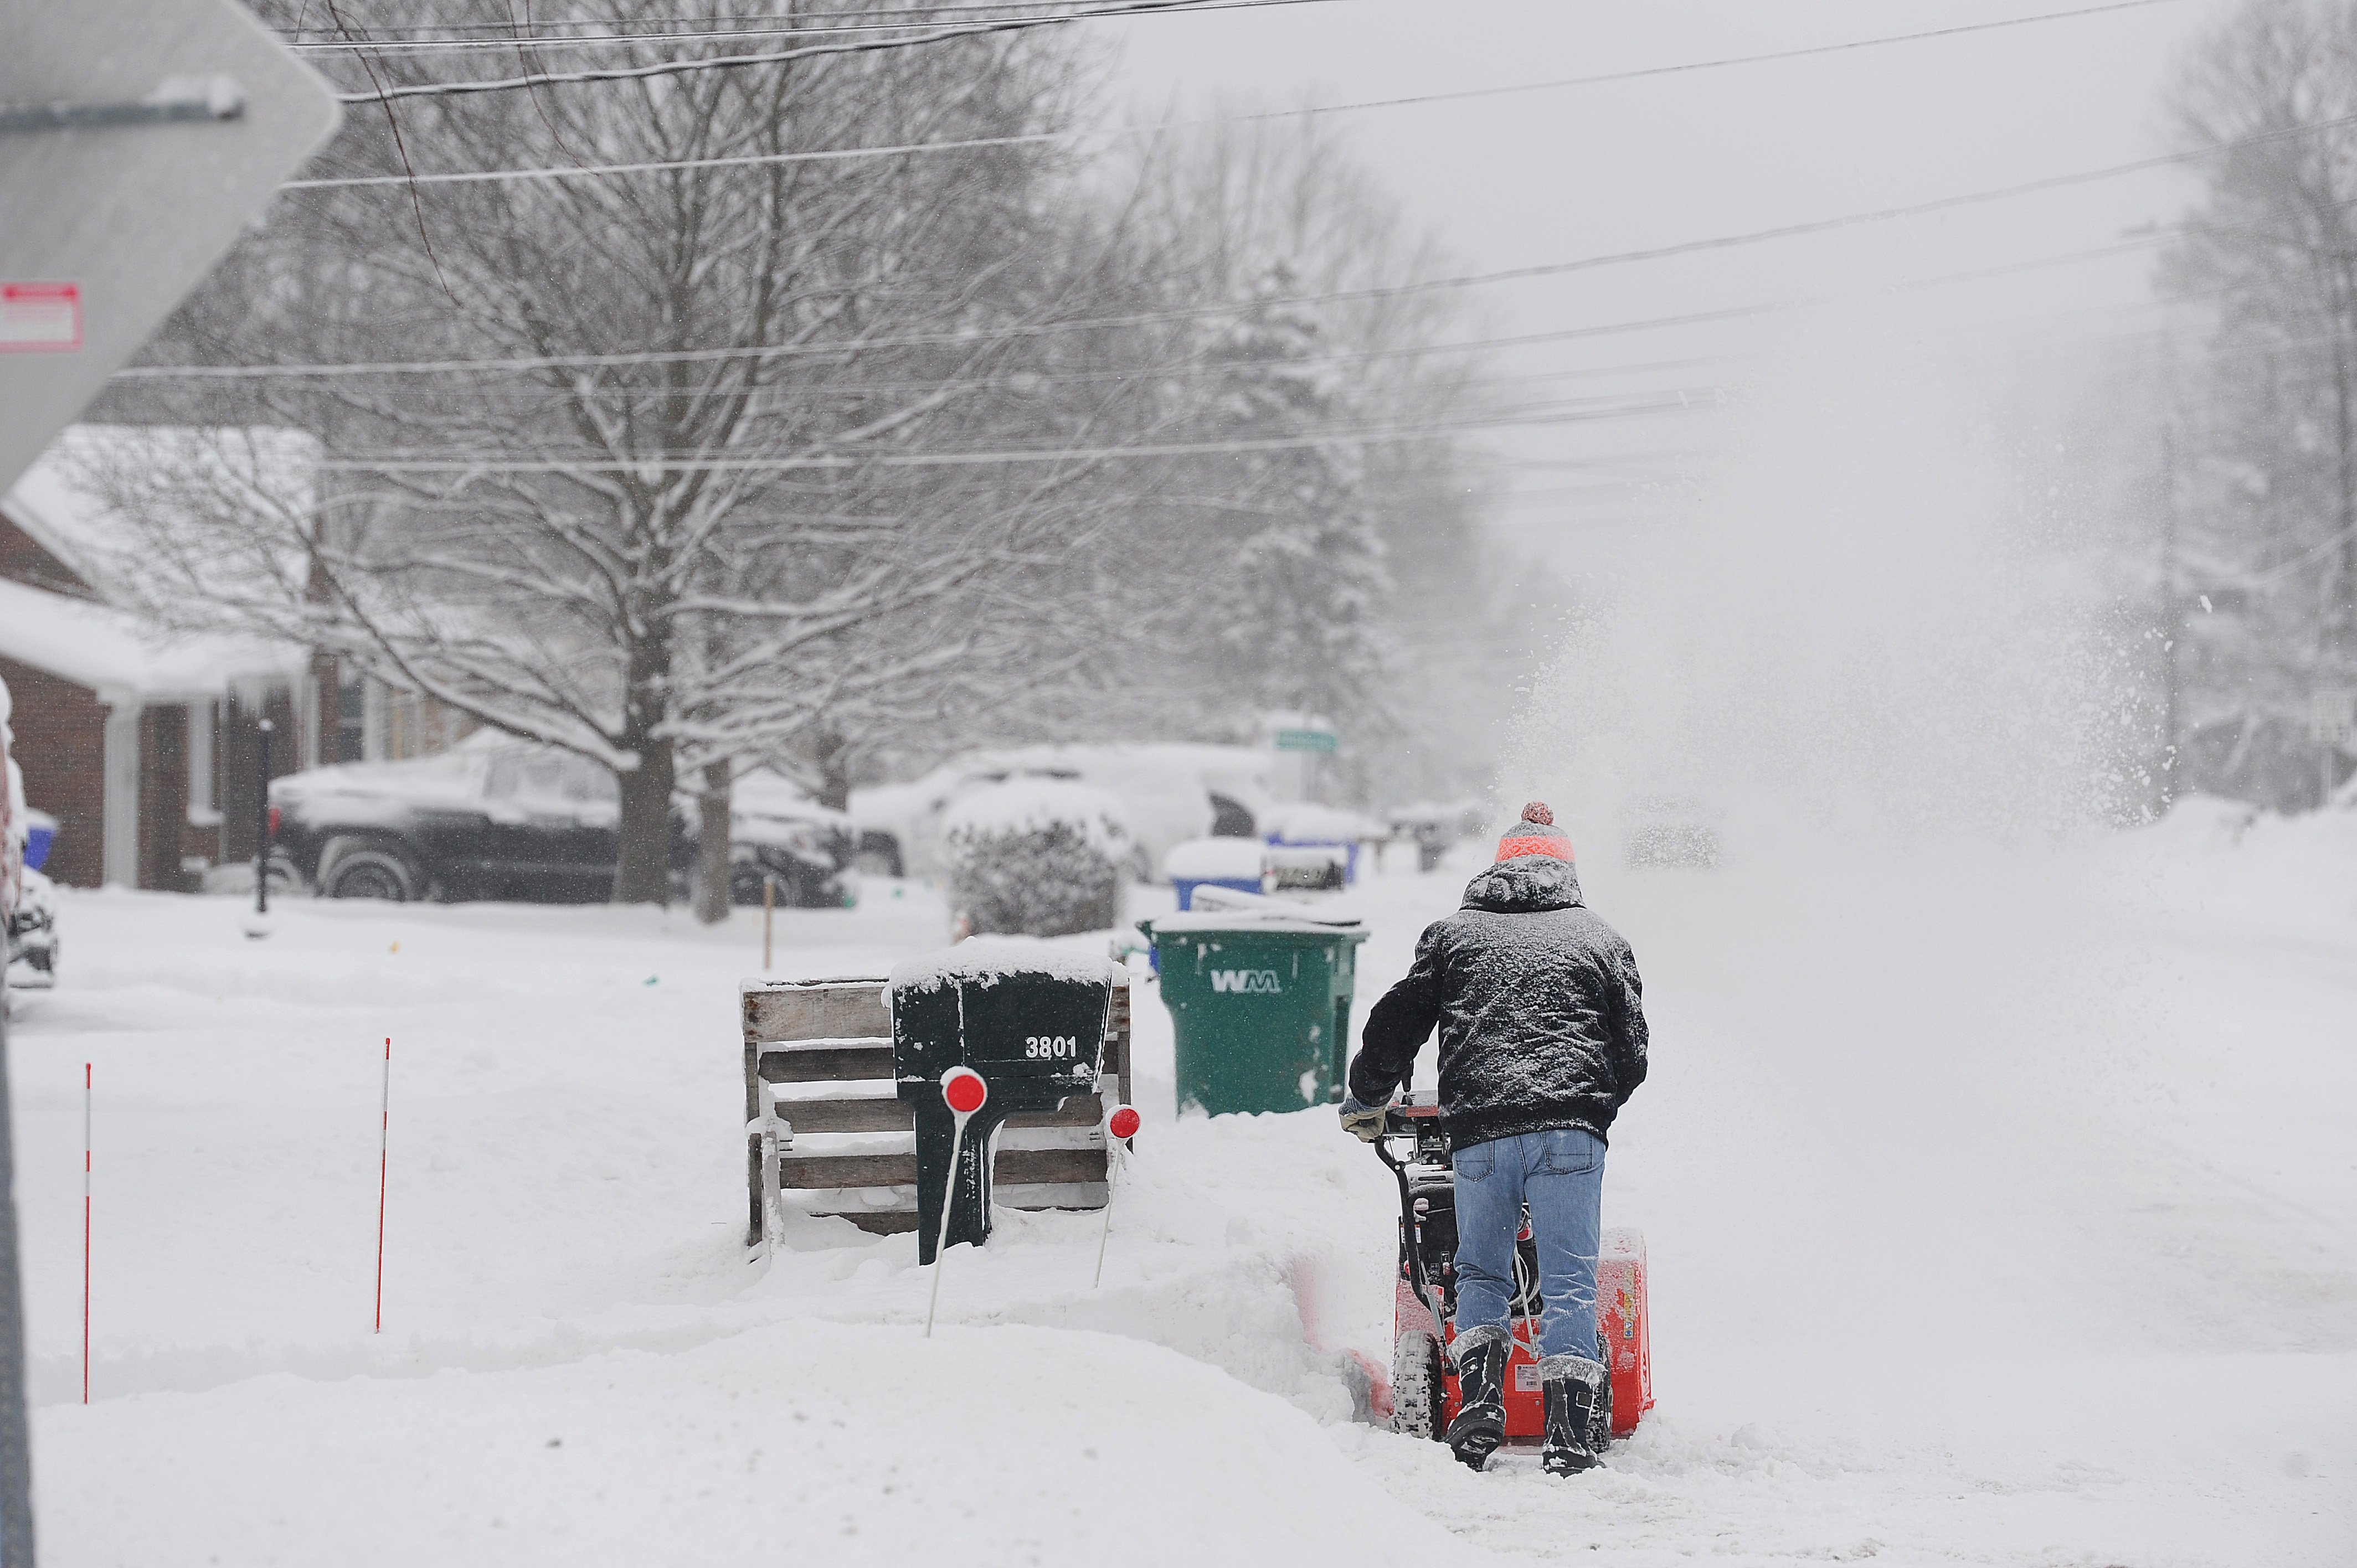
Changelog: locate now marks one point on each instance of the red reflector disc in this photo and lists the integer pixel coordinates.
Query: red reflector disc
(1124, 1123)
(963, 1089)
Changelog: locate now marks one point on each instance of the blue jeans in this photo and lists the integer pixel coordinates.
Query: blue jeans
(1561, 1175)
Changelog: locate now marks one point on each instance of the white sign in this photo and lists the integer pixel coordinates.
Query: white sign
(2332, 716)
(40, 317)
(137, 138)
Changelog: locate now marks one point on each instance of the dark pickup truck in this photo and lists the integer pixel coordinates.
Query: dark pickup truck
(498, 819)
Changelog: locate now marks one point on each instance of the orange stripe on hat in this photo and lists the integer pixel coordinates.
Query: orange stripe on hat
(1534, 835)
(1545, 843)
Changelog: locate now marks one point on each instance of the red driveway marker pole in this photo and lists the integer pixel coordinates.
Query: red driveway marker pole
(1123, 1126)
(964, 1091)
(85, 1232)
(383, 1143)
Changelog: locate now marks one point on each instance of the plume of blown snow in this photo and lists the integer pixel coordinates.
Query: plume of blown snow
(1859, 626)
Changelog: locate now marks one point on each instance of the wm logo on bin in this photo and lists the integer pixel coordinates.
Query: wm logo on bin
(1263, 979)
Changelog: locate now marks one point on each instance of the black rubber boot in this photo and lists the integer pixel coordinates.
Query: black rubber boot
(1571, 1387)
(1480, 1425)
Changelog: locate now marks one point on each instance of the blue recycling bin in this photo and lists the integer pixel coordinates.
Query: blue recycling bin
(40, 832)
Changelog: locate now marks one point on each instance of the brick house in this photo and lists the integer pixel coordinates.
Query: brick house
(144, 745)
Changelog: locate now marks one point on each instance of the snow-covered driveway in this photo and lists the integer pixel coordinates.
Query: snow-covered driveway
(1999, 1213)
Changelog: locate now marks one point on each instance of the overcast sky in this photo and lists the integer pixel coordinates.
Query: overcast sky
(1552, 176)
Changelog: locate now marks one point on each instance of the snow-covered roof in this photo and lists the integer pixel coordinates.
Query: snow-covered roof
(122, 658)
(63, 500)
(988, 960)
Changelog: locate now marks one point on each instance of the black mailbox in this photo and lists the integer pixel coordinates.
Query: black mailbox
(1031, 1020)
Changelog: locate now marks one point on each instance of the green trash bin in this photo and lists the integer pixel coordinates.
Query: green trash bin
(1260, 1003)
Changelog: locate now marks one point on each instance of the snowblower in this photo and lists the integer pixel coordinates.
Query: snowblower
(1425, 1396)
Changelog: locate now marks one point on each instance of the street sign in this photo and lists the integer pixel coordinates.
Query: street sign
(2332, 716)
(1305, 740)
(137, 137)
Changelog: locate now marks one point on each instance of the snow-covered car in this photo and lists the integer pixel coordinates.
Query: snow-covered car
(494, 818)
(1669, 830)
(776, 831)
(33, 933)
(1169, 793)
(1314, 847)
(1434, 827)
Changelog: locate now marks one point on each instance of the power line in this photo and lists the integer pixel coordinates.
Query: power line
(593, 362)
(506, 37)
(970, 144)
(518, 40)
(748, 160)
(996, 7)
(1024, 381)
(1673, 400)
(403, 464)
(703, 356)
(734, 62)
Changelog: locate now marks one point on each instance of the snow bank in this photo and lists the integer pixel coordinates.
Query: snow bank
(1935, 1270)
(988, 959)
(827, 1443)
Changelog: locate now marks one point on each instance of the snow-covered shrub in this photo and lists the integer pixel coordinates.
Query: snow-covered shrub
(1039, 856)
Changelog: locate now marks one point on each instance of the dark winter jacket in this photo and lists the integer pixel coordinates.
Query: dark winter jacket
(1541, 1012)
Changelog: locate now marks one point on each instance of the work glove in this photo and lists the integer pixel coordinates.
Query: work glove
(1364, 1123)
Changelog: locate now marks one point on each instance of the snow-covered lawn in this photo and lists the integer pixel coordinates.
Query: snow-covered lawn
(2000, 1211)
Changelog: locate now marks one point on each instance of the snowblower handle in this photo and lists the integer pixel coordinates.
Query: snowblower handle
(1396, 1125)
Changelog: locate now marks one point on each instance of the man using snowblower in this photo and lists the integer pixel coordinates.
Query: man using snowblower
(1542, 1041)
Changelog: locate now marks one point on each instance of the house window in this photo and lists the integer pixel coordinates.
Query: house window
(350, 743)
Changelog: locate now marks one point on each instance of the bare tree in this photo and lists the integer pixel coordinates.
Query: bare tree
(2273, 94)
(702, 457)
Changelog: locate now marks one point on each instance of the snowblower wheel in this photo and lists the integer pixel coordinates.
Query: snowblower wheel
(1418, 1391)
(1599, 1420)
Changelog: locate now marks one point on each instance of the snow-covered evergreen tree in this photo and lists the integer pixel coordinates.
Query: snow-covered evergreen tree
(1293, 601)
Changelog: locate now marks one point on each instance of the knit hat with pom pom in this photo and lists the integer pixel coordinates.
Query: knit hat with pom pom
(1534, 835)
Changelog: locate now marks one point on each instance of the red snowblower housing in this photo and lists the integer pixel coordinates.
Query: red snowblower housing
(1425, 1396)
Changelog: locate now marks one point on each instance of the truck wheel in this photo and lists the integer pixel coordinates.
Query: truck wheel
(372, 873)
(1418, 1392)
